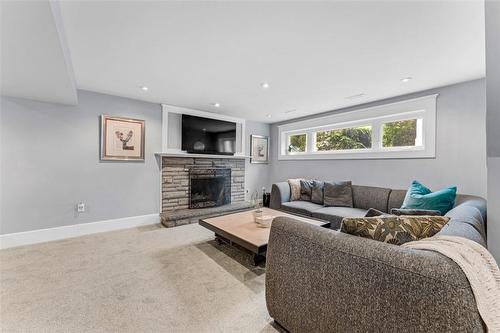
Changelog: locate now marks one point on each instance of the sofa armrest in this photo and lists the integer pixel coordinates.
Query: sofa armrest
(468, 219)
(280, 192)
(473, 201)
(321, 280)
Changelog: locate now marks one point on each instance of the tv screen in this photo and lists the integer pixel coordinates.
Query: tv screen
(208, 136)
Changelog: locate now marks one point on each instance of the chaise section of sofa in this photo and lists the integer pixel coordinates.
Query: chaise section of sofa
(322, 280)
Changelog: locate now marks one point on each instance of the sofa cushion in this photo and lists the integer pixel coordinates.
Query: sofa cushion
(367, 197)
(294, 189)
(394, 229)
(317, 192)
(306, 187)
(396, 198)
(338, 194)
(335, 214)
(300, 207)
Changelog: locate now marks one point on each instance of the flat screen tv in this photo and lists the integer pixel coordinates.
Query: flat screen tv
(208, 136)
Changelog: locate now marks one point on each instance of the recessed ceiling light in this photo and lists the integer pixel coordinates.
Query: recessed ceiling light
(268, 116)
(216, 105)
(406, 79)
(356, 96)
(144, 88)
(265, 85)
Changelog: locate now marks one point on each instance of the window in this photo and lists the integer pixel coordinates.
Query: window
(402, 133)
(344, 139)
(297, 143)
(398, 130)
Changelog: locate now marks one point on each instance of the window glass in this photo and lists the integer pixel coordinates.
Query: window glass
(297, 143)
(402, 133)
(345, 138)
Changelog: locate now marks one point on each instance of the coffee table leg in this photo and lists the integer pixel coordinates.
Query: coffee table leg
(221, 240)
(257, 259)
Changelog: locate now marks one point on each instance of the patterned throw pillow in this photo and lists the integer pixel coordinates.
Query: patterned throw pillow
(317, 192)
(306, 187)
(338, 194)
(294, 189)
(394, 229)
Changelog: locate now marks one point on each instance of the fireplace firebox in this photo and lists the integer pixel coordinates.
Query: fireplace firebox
(209, 187)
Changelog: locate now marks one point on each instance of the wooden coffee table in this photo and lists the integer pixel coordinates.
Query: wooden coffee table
(240, 228)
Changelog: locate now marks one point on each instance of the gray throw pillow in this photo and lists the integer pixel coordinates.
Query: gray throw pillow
(338, 194)
(420, 212)
(375, 212)
(306, 189)
(317, 192)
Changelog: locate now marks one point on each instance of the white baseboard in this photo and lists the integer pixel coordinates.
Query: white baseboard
(70, 231)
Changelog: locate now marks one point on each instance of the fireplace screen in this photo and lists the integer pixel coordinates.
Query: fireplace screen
(209, 187)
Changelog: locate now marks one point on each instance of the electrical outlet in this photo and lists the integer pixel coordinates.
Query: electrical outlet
(80, 207)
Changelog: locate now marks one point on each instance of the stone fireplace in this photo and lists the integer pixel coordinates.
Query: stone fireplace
(209, 187)
(196, 187)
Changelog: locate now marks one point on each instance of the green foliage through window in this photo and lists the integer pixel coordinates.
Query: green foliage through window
(297, 143)
(400, 133)
(346, 138)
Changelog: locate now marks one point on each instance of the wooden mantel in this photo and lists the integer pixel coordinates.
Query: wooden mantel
(188, 155)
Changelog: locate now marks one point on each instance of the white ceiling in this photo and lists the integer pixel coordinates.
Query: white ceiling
(314, 54)
(35, 61)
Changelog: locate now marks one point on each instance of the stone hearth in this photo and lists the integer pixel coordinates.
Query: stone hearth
(176, 188)
(187, 216)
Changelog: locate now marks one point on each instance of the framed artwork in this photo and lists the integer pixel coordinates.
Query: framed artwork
(122, 139)
(259, 149)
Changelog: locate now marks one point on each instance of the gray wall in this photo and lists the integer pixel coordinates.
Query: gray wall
(50, 161)
(257, 175)
(460, 152)
(492, 11)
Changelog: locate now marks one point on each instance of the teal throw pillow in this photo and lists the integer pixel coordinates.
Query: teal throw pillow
(420, 197)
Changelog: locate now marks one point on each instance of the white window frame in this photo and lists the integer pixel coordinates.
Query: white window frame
(423, 108)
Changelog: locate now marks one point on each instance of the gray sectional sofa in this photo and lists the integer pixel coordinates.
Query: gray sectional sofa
(322, 280)
(364, 198)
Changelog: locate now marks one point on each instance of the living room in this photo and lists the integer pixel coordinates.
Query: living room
(211, 166)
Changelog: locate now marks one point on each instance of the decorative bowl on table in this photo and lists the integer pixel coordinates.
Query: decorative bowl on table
(264, 221)
(257, 213)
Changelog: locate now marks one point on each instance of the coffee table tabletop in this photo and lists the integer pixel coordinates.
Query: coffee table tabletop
(241, 228)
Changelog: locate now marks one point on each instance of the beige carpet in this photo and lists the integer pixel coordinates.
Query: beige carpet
(147, 279)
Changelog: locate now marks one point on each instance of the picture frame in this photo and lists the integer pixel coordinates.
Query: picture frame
(259, 149)
(122, 139)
